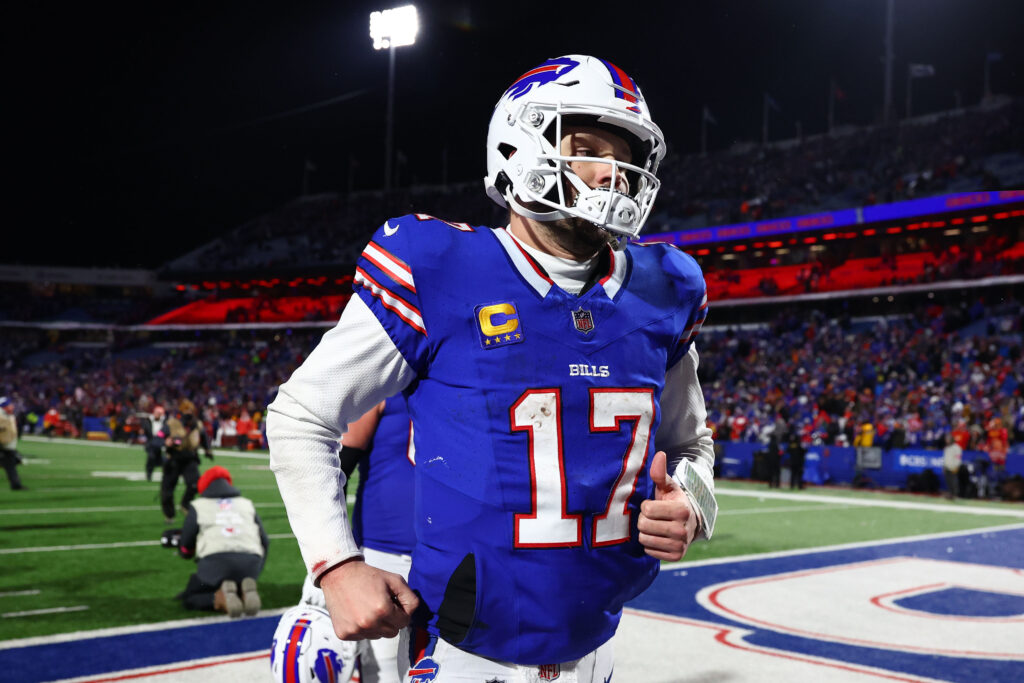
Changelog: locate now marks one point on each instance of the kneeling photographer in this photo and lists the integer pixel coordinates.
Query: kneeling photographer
(224, 533)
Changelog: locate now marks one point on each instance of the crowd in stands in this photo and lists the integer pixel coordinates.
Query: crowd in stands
(229, 375)
(907, 380)
(914, 378)
(963, 150)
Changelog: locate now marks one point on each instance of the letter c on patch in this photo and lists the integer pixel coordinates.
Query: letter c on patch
(498, 319)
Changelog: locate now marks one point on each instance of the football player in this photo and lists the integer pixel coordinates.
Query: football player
(551, 375)
(380, 445)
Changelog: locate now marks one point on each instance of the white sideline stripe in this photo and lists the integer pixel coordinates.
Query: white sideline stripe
(49, 610)
(126, 630)
(142, 488)
(258, 455)
(101, 546)
(681, 566)
(787, 508)
(11, 594)
(128, 508)
(867, 502)
(171, 670)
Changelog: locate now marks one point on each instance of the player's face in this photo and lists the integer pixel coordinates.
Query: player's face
(584, 141)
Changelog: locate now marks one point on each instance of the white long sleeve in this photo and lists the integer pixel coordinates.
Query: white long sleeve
(686, 439)
(354, 367)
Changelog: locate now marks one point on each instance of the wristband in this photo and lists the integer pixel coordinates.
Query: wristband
(700, 494)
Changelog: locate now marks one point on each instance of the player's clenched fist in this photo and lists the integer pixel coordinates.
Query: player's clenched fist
(667, 524)
(366, 602)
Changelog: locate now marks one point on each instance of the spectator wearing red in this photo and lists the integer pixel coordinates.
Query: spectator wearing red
(997, 444)
(243, 426)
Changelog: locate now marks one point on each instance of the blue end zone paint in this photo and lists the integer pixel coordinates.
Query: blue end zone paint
(965, 602)
(675, 592)
(95, 656)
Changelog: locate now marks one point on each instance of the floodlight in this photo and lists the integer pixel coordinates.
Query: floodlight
(394, 27)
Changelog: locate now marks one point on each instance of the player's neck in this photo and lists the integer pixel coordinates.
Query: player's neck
(566, 241)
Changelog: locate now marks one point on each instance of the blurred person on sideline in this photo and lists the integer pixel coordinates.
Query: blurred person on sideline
(797, 455)
(153, 428)
(185, 436)
(225, 535)
(952, 456)
(9, 456)
(997, 444)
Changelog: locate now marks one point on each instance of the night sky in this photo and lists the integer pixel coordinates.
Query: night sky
(136, 132)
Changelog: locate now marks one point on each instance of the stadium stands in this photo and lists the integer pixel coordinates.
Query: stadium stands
(911, 330)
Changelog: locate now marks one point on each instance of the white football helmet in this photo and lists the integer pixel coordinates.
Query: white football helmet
(525, 167)
(306, 650)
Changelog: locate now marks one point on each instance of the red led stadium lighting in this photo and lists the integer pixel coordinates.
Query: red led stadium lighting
(892, 231)
(938, 224)
(870, 231)
(1001, 216)
(957, 221)
(703, 252)
(740, 247)
(979, 219)
(810, 240)
(829, 236)
(774, 245)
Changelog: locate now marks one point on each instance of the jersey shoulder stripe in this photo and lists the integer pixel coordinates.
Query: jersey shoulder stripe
(390, 265)
(391, 301)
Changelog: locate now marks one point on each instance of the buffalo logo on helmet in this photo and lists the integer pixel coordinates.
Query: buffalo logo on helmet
(549, 71)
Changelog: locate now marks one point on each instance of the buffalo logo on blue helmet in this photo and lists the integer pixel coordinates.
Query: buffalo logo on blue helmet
(549, 71)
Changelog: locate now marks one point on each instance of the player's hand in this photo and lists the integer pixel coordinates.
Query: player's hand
(366, 602)
(667, 523)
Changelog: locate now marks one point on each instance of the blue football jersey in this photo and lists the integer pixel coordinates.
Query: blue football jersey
(382, 516)
(535, 412)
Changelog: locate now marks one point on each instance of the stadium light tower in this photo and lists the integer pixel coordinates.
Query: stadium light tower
(389, 29)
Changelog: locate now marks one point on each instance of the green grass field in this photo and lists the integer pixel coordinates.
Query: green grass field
(79, 550)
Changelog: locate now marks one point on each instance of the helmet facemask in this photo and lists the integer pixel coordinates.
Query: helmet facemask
(546, 188)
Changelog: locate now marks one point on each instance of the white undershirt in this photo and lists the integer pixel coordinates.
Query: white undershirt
(568, 274)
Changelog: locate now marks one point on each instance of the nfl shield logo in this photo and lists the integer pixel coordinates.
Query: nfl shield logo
(583, 320)
(549, 672)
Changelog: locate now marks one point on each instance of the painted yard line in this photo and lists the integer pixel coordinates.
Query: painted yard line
(787, 508)
(50, 610)
(100, 546)
(126, 508)
(134, 446)
(141, 488)
(11, 594)
(683, 565)
(866, 502)
(351, 499)
(128, 630)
